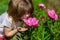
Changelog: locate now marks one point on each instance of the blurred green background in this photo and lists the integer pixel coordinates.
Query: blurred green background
(3, 5)
(47, 29)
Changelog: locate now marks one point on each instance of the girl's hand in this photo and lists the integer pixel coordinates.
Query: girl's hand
(22, 29)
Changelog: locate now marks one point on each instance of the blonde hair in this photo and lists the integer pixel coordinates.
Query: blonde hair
(18, 7)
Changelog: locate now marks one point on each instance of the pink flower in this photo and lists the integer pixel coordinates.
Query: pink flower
(42, 19)
(27, 22)
(52, 14)
(42, 6)
(31, 22)
(34, 22)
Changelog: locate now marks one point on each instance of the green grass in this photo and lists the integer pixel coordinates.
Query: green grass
(47, 29)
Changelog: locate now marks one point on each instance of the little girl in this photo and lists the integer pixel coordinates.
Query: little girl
(10, 21)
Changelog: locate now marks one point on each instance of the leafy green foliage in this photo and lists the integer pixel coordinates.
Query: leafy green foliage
(47, 29)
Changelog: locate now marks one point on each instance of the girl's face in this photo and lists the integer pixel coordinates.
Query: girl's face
(25, 16)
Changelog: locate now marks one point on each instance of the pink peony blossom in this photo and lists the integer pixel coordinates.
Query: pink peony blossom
(42, 6)
(31, 22)
(52, 14)
(42, 19)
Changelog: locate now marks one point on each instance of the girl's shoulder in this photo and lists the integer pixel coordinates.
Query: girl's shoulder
(7, 20)
(7, 17)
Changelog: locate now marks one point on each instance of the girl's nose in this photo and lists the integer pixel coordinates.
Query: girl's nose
(27, 15)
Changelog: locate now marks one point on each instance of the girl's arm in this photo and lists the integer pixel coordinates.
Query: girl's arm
(9, 32)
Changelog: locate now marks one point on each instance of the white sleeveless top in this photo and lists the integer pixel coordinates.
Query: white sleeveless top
(5, 20)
